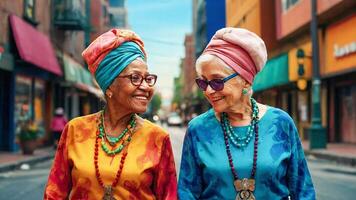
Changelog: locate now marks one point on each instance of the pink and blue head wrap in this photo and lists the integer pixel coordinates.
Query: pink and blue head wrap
(109, 54)
(242, 50)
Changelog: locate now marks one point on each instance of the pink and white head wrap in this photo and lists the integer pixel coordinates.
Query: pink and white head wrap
(242, 50)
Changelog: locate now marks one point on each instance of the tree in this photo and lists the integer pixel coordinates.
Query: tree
(177, 96)
(156, 103)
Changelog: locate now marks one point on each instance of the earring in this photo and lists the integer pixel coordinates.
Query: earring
(244, 91)
(109, 94)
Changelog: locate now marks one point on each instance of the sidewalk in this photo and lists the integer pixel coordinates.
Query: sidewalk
(344, 154)
(10, 161)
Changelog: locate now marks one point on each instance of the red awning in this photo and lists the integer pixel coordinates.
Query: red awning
(33, 46)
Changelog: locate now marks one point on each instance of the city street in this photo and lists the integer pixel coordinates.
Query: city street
(172, 60)
(332, 181)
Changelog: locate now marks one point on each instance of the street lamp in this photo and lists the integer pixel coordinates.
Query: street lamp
(317, 134)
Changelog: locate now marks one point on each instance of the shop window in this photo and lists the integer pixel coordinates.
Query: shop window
(23, 102)
(39, 104)
(287, 4)
(29, 103)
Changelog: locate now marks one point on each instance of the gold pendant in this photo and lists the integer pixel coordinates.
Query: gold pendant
(245, 195)
(245, 188)
(108, 193)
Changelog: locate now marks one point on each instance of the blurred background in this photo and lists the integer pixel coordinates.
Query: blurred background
(310, 73)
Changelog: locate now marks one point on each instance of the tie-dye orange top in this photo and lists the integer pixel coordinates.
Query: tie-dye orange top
(148, 173)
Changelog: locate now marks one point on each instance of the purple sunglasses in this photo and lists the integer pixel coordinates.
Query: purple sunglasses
(215, 84)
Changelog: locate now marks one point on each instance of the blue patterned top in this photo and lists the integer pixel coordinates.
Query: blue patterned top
(282, 170)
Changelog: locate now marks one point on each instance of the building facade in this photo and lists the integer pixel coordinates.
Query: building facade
(285, 81)
(118, 14)
(41, 67)
(29, 68)
(208, 21)
(189, 89)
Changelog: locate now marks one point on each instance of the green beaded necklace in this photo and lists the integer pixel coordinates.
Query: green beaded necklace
(235, 138)
(114, 140)
(111, 139)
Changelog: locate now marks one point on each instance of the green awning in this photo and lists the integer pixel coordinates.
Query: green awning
(275, 73)
(71, 70)
(78, 76)
(75, 73)
(86, 77)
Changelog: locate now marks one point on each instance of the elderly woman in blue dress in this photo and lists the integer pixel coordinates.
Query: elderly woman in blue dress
(240, 149)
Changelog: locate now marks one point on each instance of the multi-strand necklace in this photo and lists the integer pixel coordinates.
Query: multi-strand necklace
(113, 141)
(244, 187)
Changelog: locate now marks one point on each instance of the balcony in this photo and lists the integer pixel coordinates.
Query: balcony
(69, 14)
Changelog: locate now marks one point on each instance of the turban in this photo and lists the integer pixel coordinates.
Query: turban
(242, 50)
(109, 54)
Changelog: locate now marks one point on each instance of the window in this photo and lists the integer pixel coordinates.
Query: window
(39, 100)
(287, 4)
(29, 10)
(23, 102)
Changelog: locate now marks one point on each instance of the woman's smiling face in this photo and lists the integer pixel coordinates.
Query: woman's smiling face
(210, 67)
(133, 98)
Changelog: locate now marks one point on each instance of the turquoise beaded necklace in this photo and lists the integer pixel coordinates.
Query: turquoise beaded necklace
(114, 140)
(235, 138)
(111, 139)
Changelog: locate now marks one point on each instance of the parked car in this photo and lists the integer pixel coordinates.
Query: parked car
(174, 120)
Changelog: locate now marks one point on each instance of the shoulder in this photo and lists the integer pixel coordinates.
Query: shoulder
(276, 117)
(202, 120)
(204, 127)
(87, 120)
(153, 130)
(280, 114)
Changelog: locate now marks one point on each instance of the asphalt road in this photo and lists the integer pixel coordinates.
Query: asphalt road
(332, 182)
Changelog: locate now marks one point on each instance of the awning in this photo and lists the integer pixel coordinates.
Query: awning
(78, 76)
(275, 73)
(72, 70)
(33, 46)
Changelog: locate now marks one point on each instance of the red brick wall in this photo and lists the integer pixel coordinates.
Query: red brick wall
(268, 24)
(189, 65)
(43, 16)
(7, 7)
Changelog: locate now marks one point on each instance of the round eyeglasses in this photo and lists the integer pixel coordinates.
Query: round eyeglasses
(136, 79)
(215, 84)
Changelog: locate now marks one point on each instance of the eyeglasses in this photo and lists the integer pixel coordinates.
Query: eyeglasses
(215, 84)
(136, 79)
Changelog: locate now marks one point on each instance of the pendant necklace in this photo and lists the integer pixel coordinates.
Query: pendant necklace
(245, 186)
(101, 135)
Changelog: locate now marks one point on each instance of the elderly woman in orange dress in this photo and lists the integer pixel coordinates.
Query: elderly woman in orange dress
(115, 154)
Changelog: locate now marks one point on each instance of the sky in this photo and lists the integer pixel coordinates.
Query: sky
(162, 25)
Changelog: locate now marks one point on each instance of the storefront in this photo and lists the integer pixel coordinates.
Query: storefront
(281, 84)
(31, 92)
(81, 96)
(35, 71)
(6, 86)
(300, 70)
(340, 71)
(270, 84)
